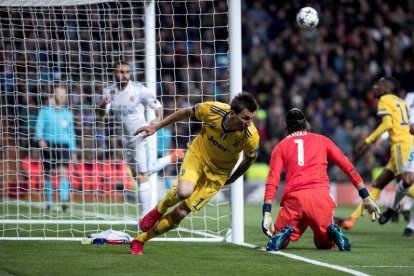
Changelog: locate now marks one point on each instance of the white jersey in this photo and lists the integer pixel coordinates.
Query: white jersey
(129, 105)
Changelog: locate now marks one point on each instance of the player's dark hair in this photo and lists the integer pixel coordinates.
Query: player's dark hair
(295, 121)
(244, 100)
(393, 83)
(119, 62)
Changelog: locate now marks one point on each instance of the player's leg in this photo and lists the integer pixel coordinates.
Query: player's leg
(383, 179)
(138, 159)
(162, 162)
(189, 175)
(404, 169)
(289, 225)
(207, 186)
(180, 190)
(319, 209)
(408, 204)
(166, 223)
(63, 158)
(47, 170)
(409, 229)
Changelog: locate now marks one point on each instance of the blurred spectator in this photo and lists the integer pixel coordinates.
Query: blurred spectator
(327, 71)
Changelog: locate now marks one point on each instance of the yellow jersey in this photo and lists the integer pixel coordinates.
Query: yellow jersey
(218, 148)
(391, 105)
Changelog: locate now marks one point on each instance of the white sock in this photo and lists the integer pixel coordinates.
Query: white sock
(399, 194)
(144, 197)
(408, 204)
(411, 223)
(159, 164)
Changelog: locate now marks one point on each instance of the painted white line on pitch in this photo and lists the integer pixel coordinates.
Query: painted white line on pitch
(306, 260)
(383, 266)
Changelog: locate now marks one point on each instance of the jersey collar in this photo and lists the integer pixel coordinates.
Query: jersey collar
(222, 124)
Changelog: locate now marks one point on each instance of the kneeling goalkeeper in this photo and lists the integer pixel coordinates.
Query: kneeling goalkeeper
(306, 200)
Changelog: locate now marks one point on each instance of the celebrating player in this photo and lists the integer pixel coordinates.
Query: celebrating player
(306, 200)
(394, 116)
(227, 131)
(128, 101)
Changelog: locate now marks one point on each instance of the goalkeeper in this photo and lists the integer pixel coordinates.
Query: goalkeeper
(306, 200)
(227, 131)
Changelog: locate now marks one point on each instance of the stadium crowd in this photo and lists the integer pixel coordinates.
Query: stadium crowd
(328, 72)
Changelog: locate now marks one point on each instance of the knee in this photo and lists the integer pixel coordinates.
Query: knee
(324, 243)
(185, 189)
(142, 177)
(407, 179)
(63, 171)
(179, 213)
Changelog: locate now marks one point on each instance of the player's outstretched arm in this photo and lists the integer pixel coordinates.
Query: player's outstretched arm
(177, 116)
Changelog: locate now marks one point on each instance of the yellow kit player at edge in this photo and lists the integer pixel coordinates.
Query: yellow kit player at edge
(395, 119)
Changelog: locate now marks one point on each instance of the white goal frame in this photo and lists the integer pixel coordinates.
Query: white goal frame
(235, 233)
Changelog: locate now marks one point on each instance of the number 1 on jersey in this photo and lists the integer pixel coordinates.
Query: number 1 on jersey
(301, 159)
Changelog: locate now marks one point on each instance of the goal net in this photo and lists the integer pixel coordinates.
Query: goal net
(178, 49)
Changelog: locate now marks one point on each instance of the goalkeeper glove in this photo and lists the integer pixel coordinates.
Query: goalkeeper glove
(369, 205)
(268, 227)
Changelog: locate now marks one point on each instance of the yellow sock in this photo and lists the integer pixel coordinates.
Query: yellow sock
(169, 200)
(374, 193)
(164, 225)
(411, 191)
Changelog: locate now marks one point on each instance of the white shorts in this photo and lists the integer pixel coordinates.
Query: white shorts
(409, 164)
(137, 155)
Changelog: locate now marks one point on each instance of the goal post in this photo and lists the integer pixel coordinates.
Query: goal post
(185, 51)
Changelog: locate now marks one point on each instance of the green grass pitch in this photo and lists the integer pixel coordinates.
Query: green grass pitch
(376, 250)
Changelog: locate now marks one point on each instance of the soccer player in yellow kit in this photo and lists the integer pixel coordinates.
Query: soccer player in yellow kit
(394, 114)
(227, 131)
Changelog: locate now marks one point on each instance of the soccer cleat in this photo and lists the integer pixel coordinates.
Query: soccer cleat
(149, 220)
(387, 215)
(407, 232)
(279, 240)
(177, 155)
(349, 222)
(338, 221)
(335, 234)
(137, 247)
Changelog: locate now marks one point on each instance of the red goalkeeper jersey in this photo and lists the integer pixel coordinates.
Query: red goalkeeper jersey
(305, 156)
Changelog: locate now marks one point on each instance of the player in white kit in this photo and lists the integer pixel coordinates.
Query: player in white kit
(128, 100)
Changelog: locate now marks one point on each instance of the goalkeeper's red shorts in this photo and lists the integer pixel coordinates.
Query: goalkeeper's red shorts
(310, 207)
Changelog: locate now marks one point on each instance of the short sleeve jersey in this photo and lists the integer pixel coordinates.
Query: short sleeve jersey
(391, 105)
(218, 148)
(129, 105)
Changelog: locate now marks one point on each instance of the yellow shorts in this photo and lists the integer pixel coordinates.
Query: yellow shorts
(399, 155)
(207, 182)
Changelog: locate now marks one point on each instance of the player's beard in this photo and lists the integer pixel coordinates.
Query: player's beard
(122, 83)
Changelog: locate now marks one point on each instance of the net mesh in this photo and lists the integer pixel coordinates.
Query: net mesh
(75, 45)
